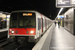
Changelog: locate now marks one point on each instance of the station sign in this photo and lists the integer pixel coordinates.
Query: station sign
(60, 16)
(65, 3)
(73, 2)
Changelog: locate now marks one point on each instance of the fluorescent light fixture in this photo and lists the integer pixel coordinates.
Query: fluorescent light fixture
(60, 11)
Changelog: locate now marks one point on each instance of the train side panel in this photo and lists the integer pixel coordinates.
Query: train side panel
(42, 24)
(38, 25)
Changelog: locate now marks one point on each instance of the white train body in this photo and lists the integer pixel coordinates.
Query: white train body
(42, 24)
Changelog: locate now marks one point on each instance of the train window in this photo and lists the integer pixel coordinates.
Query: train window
(45, 22)
(20, 21)
(13, 20)
(39, 23)
(27, 21)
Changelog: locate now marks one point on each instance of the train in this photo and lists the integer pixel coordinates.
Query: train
(27, 25)
(2, 23)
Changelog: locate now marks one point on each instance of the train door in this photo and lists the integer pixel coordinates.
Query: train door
(42, 25)
(45, 24)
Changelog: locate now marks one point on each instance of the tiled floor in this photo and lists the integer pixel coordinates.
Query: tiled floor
(62, 40)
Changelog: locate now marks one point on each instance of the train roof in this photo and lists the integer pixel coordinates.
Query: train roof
(24, 11)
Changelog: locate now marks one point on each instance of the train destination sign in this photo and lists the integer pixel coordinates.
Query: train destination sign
(27, 14)
(65, 3)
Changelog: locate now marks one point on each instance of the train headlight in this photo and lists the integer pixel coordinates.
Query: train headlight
(12, 32)
(31, 32)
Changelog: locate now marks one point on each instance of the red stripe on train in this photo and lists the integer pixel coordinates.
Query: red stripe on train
(22, 31)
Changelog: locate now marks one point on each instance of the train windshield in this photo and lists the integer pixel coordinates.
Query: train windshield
(23, 20)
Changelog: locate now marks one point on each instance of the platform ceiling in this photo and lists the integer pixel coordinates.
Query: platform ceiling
(46, 7)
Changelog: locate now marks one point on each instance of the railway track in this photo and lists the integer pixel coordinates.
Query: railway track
(28, 46)
(5, 45)
(18, 47)
(3, 38)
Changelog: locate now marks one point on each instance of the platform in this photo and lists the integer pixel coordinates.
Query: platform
(62, 40)
(57, 39)
(4, 29)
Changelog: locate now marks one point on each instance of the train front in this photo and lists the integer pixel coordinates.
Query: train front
(22, 26)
